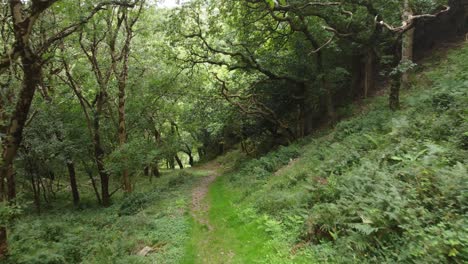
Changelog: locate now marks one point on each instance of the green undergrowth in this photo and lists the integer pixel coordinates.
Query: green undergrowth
(156, 215)
(238, 234)
(382, 187)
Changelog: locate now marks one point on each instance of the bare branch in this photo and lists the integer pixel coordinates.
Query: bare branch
(409, 23)
(253, 107)
(318, 49)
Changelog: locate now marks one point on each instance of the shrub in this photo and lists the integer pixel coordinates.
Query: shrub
(442, 101)
(133, 203)
(388, 187)
(463, 141)
(180, 178)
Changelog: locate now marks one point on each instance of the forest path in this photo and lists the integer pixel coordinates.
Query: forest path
(206, 245)
(200, 204)
(220, 235)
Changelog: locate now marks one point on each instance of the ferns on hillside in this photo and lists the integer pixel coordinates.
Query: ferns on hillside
(387, 187)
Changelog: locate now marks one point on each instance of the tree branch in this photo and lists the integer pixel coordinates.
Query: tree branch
(37, 8)
(409, 23)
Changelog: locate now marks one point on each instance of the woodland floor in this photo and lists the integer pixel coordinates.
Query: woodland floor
(237, 210)
(206, 251)
(223, 228)
(200, 205)
(219, 234)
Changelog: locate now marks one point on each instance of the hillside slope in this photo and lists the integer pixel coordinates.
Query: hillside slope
(382, 187)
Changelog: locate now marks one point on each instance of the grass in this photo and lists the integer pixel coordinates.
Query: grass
(231, 240)
(245, 241)
(239, 235)
(381, 187)
(155, 216)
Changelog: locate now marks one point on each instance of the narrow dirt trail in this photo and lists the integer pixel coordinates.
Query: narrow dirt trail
(219, 235)
(208, 250)
(201, 205)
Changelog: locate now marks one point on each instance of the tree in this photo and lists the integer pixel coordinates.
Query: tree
(31, 50)
(122, 74)
(287, 54)
(404, 51)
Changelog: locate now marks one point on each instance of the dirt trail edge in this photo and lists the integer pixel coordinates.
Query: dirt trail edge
(201, 205)
(208, 249)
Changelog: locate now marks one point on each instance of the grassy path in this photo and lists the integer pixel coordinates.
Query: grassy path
(219, 235)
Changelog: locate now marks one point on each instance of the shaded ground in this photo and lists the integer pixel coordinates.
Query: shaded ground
(219, 235)
(200, 205)
(207, 248)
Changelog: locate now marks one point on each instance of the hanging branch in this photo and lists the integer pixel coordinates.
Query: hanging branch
(409, 23)
(253, 107)
(245, 56)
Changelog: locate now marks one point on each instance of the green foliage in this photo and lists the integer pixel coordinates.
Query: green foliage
(266, 165)
(134, 203)
(9, 212)
(153, 216)
(384, 187)
(442, 101)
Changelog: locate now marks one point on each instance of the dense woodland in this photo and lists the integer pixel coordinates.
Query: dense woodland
(112, 112)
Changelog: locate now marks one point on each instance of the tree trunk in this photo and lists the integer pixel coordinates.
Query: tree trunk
(201, 153)
(329, 102)
(191, 161)
(36, 192)
(89, 171)
(171, 163)
(306, 110)
(3, 242)
(32, 77)
(93, 128)
(406, 45)
(395, 92)
(179, 162)
(2, 190)
(104, 187)
(50, 183)
(14, 132)
(322, 78)
(300, 120)
(371, 60)
(99, 152)
(4, 103)
(11, 183)
(155, 170)
(395, 78)
(122, 83)
(189, 154)
(3, 230)
(221, 148)
(44, 189)
(73, 184)
(369, 73)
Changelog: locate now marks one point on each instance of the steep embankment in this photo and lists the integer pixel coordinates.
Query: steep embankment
(386, 187)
